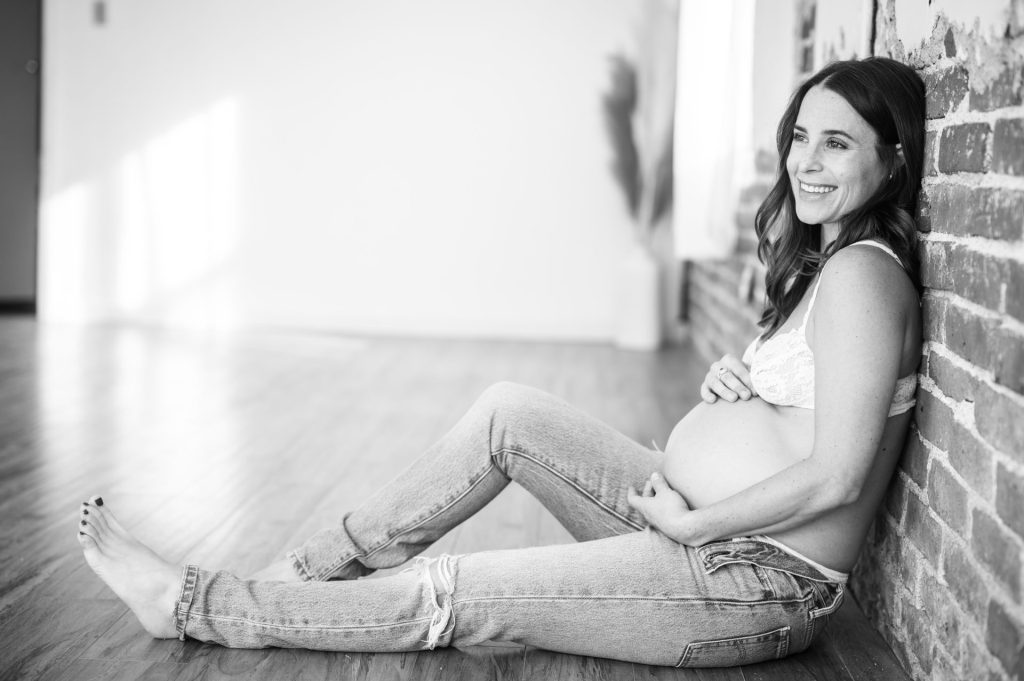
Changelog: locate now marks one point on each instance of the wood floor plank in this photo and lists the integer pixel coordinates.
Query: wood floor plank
(229, 450)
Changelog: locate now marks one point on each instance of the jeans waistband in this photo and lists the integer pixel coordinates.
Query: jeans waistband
(832, 575)
(768, 553)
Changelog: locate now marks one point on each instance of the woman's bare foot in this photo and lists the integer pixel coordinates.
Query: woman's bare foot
(280, 571)
(146, 583)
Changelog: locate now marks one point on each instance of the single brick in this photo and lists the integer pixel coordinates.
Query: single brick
(953, 381)
(998, 550)
(1005, 638)
(931, 154)
(1000, 421)
(973, 461)
(923, 530)
(933, 316)
(966, 582)
(1010, 499)
(935, 267)
(977, 276)
(1008, 147)
(944, 90)
(967, 334)
(962, 149)
(992, 212)
(914, 460)
(934, 420)
(1003, 91)
(948, 497)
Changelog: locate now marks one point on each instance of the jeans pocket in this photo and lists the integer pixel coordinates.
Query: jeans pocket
(737, 650)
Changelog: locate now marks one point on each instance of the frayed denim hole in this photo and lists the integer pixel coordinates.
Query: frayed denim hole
(439, 578)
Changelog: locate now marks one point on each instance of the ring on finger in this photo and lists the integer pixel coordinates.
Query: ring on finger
(722, 371)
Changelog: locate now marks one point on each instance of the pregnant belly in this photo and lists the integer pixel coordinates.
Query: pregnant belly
(719, 449)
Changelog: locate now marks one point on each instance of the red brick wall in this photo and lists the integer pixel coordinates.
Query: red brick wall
(941, 576)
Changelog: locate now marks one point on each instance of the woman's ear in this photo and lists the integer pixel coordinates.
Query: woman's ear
(899, 160)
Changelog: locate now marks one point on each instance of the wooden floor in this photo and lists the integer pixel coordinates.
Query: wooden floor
(229, 450)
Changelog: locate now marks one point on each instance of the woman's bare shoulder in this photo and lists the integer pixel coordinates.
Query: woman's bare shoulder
(865, 272)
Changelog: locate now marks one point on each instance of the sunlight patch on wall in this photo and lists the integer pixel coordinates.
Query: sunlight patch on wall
(178, 224)
(152, 238)
(63, 241)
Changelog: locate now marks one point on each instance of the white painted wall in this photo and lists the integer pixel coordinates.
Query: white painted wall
(774, 69)
(362, 165)
(915, 19)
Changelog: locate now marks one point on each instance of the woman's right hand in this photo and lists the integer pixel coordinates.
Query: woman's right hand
(729, 379)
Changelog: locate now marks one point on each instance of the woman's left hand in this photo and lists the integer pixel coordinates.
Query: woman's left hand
(661, 506)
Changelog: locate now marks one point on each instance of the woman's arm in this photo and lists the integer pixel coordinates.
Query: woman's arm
(860, 321)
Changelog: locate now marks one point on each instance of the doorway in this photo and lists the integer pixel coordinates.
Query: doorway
(20, 42)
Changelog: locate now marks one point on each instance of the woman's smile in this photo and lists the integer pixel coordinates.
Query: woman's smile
(833, 163)
(817, 188)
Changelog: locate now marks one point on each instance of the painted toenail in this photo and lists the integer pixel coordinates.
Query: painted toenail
(83, 522)
(85, 512)
(82, 533)
(99, 501)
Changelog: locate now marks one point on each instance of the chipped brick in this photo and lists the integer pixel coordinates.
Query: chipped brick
(1008, 147)
(962, 148)
(945, 90)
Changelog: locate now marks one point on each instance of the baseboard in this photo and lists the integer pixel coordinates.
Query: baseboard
(11, 307)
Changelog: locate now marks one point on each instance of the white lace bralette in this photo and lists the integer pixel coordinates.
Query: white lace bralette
(782, 367)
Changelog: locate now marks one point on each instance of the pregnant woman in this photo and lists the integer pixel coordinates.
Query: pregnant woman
(731, 547)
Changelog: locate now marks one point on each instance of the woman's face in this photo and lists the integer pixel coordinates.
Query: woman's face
(833, 164)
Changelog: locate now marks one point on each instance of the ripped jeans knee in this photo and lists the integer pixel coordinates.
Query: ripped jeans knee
(438, 575)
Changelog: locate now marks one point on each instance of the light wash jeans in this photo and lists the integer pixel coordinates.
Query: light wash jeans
(624, 591)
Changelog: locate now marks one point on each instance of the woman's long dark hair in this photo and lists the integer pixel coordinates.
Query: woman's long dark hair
(890, 97)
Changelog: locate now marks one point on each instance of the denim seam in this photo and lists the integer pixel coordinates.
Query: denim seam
(579, 488)
(304, 627)
(416, 523)
(189, 576)
(660, 599)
